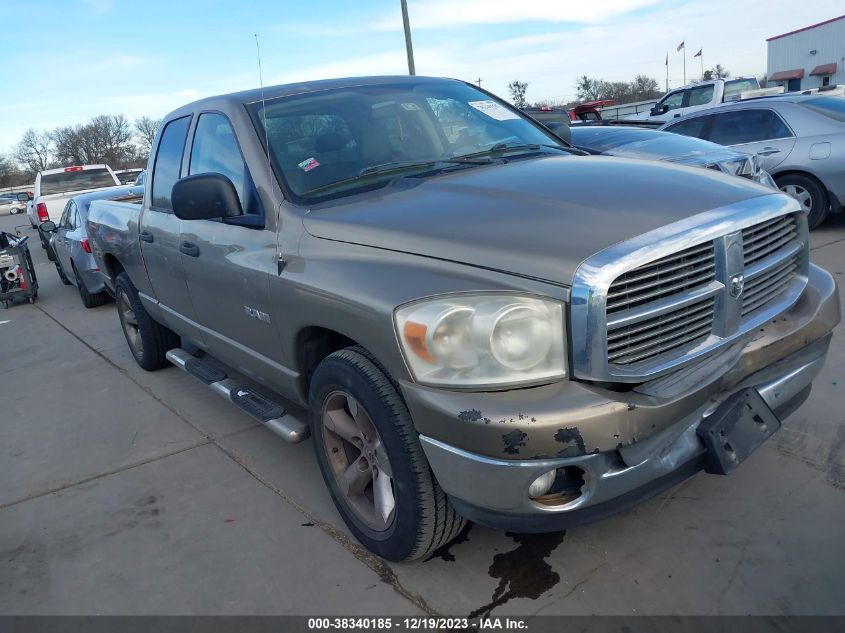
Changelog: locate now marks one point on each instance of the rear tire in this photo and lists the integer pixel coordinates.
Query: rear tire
(148, 340)
(380, 435)
(89, 300)
(809, 193)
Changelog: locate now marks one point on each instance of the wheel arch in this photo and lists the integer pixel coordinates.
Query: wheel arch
(313, 343)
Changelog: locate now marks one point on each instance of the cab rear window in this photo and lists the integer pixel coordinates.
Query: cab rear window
(76, 181)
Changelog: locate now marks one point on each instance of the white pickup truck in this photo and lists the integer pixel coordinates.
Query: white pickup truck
(702, 95)
(54, 187)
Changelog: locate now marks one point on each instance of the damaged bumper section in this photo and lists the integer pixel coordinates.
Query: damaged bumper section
(546, 458)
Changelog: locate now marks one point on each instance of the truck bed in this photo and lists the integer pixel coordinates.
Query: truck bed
(113, 231)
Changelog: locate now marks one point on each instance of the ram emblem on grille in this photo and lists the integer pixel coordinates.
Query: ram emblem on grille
(737, 284)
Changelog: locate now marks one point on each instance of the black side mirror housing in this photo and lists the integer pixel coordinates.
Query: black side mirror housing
(205, 197)
(561, 130)
(48, 226)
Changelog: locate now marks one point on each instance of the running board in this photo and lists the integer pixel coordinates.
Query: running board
(268, 411)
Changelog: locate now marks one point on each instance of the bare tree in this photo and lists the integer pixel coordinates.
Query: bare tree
(717, 72)
(145, 129)
(644, 87)
(589, 89)
(104, 139)
(518, 89)
(35, 150)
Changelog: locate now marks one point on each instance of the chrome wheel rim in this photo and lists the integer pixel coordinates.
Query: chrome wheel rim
(801, 195)
(358, 461)
(129, 323)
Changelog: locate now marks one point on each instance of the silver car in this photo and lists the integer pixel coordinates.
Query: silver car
(800, 140)
(72, 250)
(644, 143)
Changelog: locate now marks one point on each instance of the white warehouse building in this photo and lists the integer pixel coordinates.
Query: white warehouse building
(811, 57)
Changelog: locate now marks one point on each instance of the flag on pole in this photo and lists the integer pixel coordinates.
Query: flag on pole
(666, 63)
(680, 46)
(698, 54)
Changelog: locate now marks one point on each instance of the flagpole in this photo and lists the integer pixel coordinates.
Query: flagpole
(702, 65)
(685, 64)
(667, 71)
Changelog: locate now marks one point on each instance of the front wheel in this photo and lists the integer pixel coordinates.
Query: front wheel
(372, 461)
(148, 340)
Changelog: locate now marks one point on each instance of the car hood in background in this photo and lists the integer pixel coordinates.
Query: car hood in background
(537, 218)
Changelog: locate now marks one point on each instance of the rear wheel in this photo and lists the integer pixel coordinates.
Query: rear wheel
(809, 194)
(372, 461)
(148, 340)
(89, 299)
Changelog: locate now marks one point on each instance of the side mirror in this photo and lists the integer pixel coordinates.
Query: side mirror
(22, 197)
(48, 226)
(654, 111)
(205, 197)
(561, 130)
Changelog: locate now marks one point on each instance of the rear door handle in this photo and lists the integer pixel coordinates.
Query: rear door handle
(146, 236)
(190, 249)
(767, 151)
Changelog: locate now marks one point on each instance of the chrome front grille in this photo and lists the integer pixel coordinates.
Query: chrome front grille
(664, 332)
(656, 302)
(667, 276)
(760, 290)
(761, 240)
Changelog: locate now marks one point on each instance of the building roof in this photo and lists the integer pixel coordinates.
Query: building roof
(824, 69)
(806, 28)
(783, 75)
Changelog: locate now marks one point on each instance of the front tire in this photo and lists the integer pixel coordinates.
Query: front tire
(61, 272)
(809, 193)
(372, 461)
(148, 340)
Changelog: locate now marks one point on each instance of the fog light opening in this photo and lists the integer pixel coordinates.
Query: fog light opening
(559, 487)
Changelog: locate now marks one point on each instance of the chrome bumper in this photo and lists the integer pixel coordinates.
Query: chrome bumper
(495, 491)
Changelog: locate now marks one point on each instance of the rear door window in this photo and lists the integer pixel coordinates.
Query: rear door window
(168, 162)
(747, 126)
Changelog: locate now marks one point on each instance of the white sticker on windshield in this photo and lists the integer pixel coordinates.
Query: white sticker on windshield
(494, 110)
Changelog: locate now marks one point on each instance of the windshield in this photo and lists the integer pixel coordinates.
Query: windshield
(76, 181)
(343, 140)
(831, 107)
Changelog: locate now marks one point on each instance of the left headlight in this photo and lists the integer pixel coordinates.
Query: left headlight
(483, 340)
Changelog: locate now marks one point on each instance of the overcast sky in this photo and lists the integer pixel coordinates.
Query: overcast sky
(70, 60)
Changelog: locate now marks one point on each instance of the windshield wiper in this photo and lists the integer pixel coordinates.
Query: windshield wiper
(504, 148)
(394, 167)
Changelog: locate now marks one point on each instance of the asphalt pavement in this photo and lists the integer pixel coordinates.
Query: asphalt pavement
(129, 492)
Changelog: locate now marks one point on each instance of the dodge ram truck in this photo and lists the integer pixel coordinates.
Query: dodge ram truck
(471, 319)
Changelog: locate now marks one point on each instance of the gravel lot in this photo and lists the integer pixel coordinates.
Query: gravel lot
(127, 492)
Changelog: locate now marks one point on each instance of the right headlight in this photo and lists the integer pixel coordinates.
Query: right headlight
(482, 340)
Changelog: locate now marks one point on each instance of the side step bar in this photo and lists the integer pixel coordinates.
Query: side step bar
(270, 413)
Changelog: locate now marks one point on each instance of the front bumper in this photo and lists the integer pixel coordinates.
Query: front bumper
(486, 448)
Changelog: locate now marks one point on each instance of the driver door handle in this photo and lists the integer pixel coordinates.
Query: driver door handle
(190, 249)
(767, 151)
(146, 236)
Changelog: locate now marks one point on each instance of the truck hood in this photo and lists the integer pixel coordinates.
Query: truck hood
(535, 218)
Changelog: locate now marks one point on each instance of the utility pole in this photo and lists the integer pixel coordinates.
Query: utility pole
(408, 46)
(478, 81)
